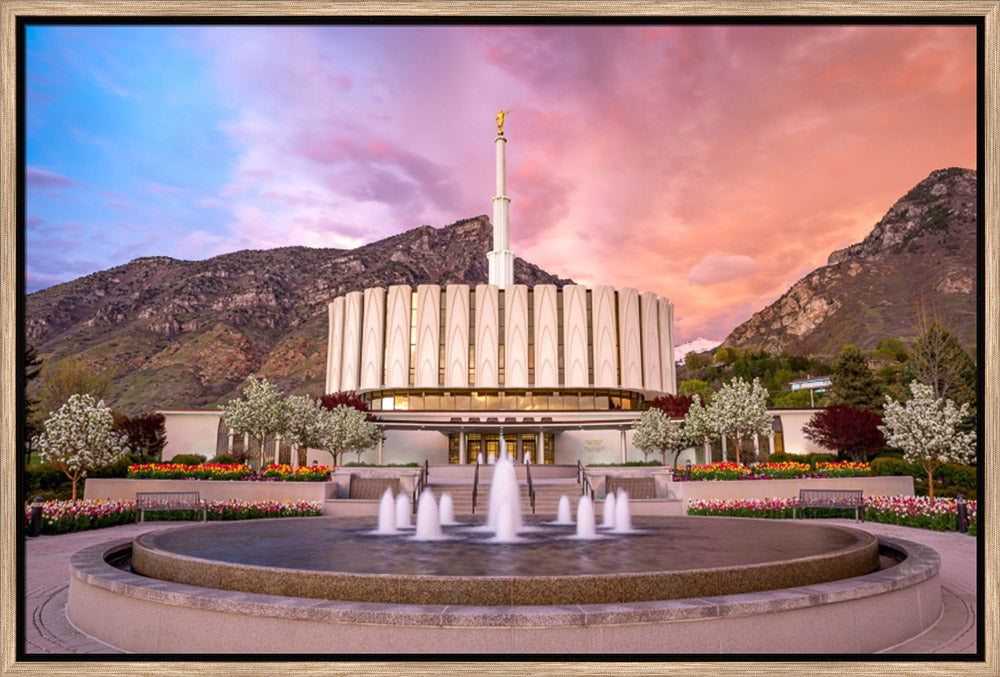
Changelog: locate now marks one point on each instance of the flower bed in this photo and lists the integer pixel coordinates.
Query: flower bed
(781, 471)
(178, 471)
(908, 511)
(843, 469)
(62, 517)
(717, 471)
(302, 473)
(771, 471)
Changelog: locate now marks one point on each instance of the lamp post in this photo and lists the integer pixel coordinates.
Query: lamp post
(962, 518)
(36, 516)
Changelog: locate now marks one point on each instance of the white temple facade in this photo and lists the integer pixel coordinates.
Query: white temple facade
(454, 371)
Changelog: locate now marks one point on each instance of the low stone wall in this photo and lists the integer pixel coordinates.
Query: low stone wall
(661, 476)
(342, 478)
(760, 489)
(211, 490)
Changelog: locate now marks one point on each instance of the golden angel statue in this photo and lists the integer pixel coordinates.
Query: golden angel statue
(500, 117)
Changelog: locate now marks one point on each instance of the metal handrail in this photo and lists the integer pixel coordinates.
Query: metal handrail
(419, 487)
(475, 487)
(531, 487)
(584, 481)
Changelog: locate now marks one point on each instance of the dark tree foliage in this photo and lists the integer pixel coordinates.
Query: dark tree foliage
(348, 398)
(32, 426)
(146, 433)
(674, 406)
(939, 360)
(846, 429)
(854, 383)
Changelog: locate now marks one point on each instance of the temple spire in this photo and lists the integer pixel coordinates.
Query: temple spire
(501, 259)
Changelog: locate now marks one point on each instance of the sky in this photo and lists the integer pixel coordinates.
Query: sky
(712, 165)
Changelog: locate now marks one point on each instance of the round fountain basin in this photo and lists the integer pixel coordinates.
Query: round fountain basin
(664, 558)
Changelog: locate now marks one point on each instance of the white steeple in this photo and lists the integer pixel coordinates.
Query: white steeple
(501, 259)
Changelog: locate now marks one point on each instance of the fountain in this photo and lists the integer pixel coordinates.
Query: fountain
(428, 523)
(623, 514)
(404, 508)
(608, 514)
(338, 580)
(446, 510)
(387, 514)
(504, 490)
(563, 514)
(585, 521)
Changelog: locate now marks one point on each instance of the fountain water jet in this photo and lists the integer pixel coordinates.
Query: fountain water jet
(504, 489)
(446, 509)
(387, 514)
(608, 520)
(586, 526)
(404, 508)
(428, 524)
(623, 514)
(563, 515)
(506, 530)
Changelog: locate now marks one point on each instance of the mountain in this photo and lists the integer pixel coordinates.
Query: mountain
(919, 259)
(187, 333)
(698, 345)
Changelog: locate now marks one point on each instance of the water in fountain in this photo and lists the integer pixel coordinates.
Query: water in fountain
(527, 457)
(428, 523)
(404, 508)
(608, 520)
(479, 458)
(446, 509)
(491, 459)
(563, 515)
(623, 513)
(506, 529)
(387, 514)
(585, 521)
(504, 488)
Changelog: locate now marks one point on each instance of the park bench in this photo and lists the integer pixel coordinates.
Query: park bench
(831, 498)
(635, 487)
(372, 487)
(152, 501)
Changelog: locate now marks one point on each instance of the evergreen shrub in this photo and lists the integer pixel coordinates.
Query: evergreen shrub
(187, 459)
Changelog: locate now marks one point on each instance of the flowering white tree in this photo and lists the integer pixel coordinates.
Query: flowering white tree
(927, 430)
(307, 424)
(348, 429)
(655, 431)
(699, 426)
(739, 408)
(261, 412)
(78, 437)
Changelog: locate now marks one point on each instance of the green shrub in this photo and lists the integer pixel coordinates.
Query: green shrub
(887, 465)
(963, 476)
(813, 459)
(187, 459)
(39, 479)
(224, 459)
(780, 458)
(117, 469)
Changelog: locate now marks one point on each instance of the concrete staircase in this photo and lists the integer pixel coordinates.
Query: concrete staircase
(550, 483)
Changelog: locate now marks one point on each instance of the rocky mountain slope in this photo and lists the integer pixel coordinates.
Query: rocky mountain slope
(187, 333)
(920, 258)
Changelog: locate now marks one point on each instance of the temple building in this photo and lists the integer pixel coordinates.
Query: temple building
(454, 372)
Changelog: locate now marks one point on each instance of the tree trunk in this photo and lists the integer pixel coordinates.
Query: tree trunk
(930, 483)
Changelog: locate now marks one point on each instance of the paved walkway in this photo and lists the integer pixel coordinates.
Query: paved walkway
(48, 630)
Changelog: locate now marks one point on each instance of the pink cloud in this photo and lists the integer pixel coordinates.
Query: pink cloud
(161, 189)
(713, 269)
(709, 164)
(35, 177)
